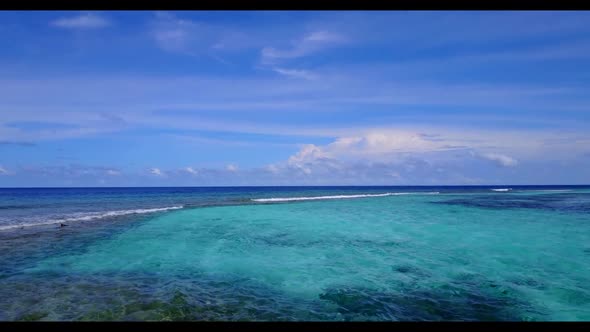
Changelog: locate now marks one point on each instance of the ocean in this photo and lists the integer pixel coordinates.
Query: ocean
(462, 253)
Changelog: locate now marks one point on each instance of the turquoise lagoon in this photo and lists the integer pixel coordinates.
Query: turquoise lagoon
(296, 253)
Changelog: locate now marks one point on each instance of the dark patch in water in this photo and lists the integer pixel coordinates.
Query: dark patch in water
(123, 297)
(363, 243)
(176, 309)
(409, 269)
(403, 269)
(128, 296)
(529, 282)
(33, 316)
(279, 240)
(468, 297)
(573, 296)
(449, 303)
(286, 240)
(26, 206)
(564, 202)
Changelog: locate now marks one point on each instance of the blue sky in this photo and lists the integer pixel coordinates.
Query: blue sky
(294, 98)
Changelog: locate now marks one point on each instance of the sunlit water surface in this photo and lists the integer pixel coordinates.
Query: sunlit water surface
(348, 253)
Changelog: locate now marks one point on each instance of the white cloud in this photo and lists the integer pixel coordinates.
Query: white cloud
(191, 170)
(191, 37)
(389, 144)
(173, 39)
(396, 153)
(178, 35)
(84, 21)
(231, 168)
(134, 99)
(156, 171)
(395, 174)
(379, 143)
(274, 169)
(311, 43)
(307, 152)
(71, 171)
(324, 36)
(296, 73)
(3, 171)
(500, 159)
(113, 172)
(309, 157)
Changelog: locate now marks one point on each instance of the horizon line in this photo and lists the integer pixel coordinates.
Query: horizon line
(311, 186)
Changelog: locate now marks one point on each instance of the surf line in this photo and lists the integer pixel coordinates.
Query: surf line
(305, 198)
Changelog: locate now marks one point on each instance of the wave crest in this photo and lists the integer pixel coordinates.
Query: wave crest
(304, 198)
(91, 216)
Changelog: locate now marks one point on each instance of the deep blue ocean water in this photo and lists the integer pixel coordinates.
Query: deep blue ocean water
(296, 253)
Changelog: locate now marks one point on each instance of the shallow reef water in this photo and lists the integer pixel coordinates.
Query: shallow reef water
(382, 254)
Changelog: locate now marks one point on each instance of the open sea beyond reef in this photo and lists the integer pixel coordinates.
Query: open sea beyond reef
(296, 253)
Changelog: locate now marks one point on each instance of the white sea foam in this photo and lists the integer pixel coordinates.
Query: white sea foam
(89, 216)
(502, 189)
(290, 199)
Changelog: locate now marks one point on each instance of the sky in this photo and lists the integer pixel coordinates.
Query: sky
(224, 98)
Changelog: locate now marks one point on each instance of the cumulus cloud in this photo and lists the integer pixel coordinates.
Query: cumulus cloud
(378, 145)
(306, 153)
(84, 21)
(500, 159)
(380, 142)
(392, 145)
(395, 157)
(231, 168)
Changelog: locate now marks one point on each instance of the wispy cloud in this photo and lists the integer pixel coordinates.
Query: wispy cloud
(308, 44)
(17, 143)
(4, 171)
(395, 94)
(296, 73)
(172, 34)
(200, 140)
(70, 171)
(191, 170)
(231, 168)
(113, 172)
(500, 159)
(415, 30)
(156, 171)
(191, 37)
(83, 21)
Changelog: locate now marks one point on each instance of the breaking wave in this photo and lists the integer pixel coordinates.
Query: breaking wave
(291, 199)
(89, 216)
